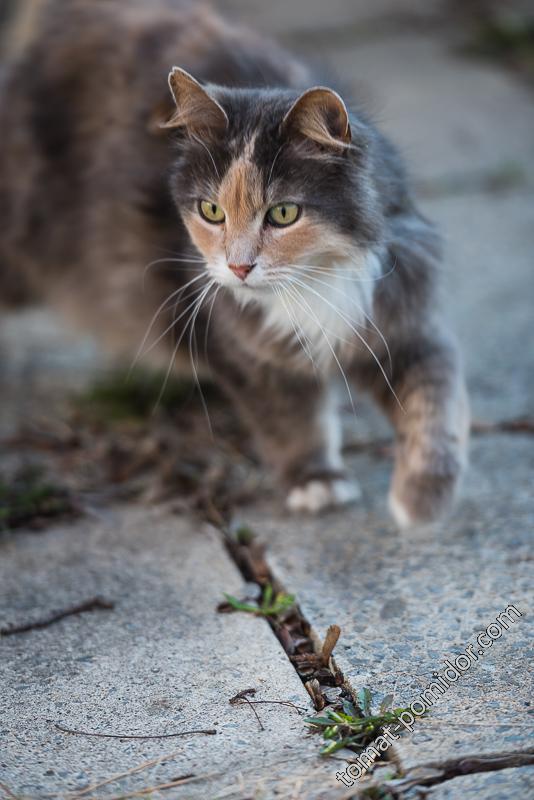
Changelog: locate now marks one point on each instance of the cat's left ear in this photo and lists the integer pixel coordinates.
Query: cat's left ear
(196, 110)
(320, 115)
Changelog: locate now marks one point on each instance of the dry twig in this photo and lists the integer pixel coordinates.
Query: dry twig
(242, 697)
(209, 732)
(95, 603)
(332, 635)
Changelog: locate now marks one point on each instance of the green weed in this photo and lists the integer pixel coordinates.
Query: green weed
(27, 498)
(272, 605)
(354, 727)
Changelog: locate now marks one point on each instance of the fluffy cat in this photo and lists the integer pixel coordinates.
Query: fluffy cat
(298, 253)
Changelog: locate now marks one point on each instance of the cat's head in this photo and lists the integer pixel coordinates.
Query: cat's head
(271, 183)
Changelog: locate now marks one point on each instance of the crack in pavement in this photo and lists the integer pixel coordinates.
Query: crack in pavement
(251, 560)
(433, 773)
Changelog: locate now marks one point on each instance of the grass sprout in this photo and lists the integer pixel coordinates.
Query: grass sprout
(354, 726)
(272, 605)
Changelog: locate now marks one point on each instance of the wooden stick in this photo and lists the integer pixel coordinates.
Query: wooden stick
(210, 732)
(89, 605)
(332, 635)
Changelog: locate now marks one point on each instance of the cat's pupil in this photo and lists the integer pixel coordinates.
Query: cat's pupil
(283, 211)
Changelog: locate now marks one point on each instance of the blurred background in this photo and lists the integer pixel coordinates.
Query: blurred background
(452, 83)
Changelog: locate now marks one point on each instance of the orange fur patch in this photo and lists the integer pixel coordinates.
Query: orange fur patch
(241, 195)
(205, 239)
(308, 238)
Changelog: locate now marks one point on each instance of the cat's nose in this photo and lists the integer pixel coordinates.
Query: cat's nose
(241, 270)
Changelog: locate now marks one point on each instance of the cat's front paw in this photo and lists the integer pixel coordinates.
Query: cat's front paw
(319, 494)
(423, 488)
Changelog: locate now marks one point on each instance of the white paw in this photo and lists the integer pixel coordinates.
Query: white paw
(399, 513)
(317, 495)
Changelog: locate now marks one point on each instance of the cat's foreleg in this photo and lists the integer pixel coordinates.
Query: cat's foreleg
(295, 423)
(430, 414)
(318, 479)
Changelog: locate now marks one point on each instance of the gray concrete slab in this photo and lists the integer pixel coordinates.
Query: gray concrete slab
(302, 17)
(41, 362)
(502, 785)
(440, 108)
(403, 61)
(163, 660)
(408, 601)
(489, 286)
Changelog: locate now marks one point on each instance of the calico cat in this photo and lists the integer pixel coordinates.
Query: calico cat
(298, 255)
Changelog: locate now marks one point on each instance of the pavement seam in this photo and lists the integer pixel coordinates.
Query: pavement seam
(436, 773)
(251, 561)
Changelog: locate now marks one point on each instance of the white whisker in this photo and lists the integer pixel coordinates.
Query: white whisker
(191, 356)
(142, 352)
(272, 165)
(357, 333)
(303, 344)
(206, 148)
(152, 322)
(215, 293)
(175, 350)
(340, 269)
(330, 346)
(188, 261)
(335, 334)
(362, 312)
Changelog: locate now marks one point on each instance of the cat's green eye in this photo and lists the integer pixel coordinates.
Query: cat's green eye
(211, 212)
(283, 214)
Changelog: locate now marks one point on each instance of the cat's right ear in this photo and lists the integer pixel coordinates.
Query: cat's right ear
(196, 111)
(320, 115)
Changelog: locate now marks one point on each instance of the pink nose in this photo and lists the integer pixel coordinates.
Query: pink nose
(241, 270)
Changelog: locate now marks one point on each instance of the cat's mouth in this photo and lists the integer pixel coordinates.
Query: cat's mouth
(249, 290)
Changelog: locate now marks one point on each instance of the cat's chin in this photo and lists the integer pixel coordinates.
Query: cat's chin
(245, 287)
(246, 292)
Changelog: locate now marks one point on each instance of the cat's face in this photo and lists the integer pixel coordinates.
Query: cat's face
(270, 184)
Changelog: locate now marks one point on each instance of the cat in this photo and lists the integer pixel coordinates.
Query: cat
(288, 235)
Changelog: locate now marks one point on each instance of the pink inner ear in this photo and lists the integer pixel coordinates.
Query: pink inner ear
(320, 115)
(195, 108)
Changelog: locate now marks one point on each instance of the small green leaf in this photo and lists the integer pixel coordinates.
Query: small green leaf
(341, 719)
(267, 596)
(364, 699)
(244, 535)
(239, 605)
(333, 747)
(318, 721)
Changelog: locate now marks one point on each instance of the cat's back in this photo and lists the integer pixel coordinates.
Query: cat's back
(81, 98)
(87, 65)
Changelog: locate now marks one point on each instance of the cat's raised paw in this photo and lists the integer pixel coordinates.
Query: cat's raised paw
(317, 495)
(423, 497)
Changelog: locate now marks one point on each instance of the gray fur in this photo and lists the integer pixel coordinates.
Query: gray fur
(91, 191)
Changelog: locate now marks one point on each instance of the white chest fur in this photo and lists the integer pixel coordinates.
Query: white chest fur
(326, 311)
